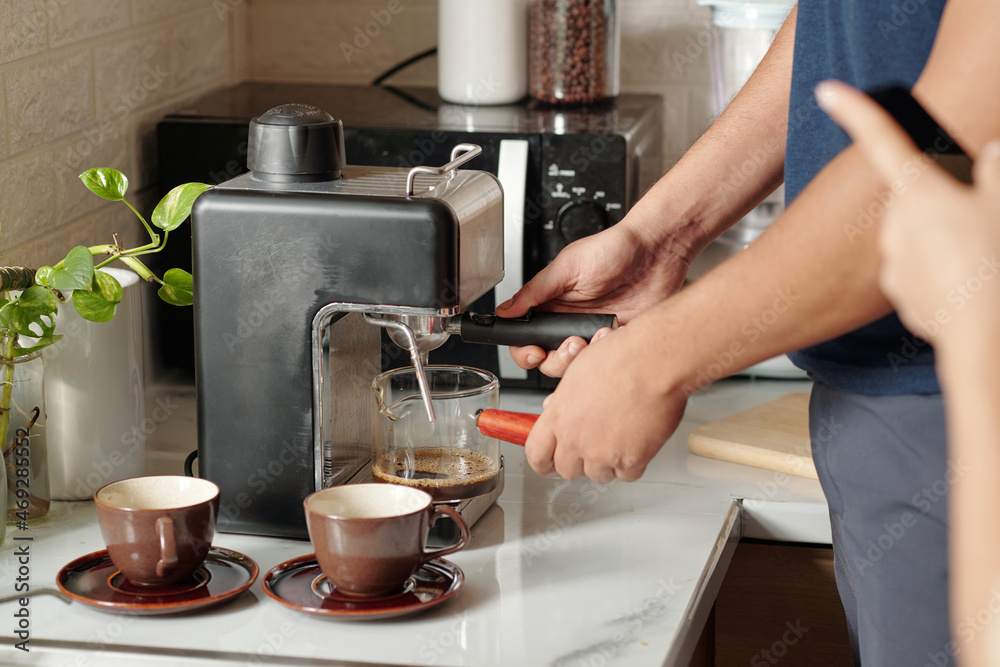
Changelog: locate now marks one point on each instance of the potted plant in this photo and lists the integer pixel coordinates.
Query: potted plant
(27, 325)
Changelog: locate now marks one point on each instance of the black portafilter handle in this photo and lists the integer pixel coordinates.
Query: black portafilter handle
(546, 330)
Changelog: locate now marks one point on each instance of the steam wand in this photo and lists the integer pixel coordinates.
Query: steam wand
(415, 356)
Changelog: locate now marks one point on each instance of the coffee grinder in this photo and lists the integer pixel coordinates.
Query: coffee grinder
(298, 265)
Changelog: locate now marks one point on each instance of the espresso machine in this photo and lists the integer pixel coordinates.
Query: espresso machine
(298, 265)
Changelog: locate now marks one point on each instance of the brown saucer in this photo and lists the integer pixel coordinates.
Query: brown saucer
(301, 585)
(94, 580)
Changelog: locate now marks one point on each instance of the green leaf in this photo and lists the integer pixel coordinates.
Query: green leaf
(175, 207)
(105, 182)
(108, 286)
(36, 307)
(42, 275)
(40, 345)
(77, 271)
(99, 304)
(93, 307)
(178, 288)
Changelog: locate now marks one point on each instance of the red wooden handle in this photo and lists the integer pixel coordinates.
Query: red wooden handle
(507, 426)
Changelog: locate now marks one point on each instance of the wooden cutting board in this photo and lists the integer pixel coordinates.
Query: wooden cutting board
(774, 436)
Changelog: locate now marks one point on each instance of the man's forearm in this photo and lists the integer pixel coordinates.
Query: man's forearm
(733, 166)
(811, 276)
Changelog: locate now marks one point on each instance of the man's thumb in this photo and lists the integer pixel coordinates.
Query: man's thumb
(511, 307)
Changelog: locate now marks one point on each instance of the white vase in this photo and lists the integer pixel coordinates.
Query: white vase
(95, 394)
(25, 441)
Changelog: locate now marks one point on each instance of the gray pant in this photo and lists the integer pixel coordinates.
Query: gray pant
(883, 465)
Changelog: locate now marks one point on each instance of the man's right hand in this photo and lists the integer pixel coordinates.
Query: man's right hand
(615, 271)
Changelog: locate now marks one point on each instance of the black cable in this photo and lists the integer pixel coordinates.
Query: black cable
(406, 63)
(410, 98)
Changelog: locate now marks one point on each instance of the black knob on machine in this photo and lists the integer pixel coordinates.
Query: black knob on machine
(578, 219)
(296, 143)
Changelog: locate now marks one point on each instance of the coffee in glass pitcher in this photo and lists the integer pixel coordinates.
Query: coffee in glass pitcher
(448, 458)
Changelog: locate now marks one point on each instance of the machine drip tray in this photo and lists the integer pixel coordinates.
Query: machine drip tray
(444, 532)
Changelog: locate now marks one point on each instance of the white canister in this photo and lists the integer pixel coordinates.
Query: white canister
(95, 396)
(482, 51)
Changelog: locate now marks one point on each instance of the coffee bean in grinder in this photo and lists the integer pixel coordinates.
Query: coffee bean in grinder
(574, 51)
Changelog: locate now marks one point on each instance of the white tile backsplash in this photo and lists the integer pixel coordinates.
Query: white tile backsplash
(238, 18)
(133, 73)
(3, 129)
(49, 99)
(661, 47)
(336, 43)
(149, 11)
(23, 27)
(200, 51)
(27, 192)
(74, 21)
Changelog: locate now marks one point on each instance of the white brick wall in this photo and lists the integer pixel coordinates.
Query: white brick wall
(83, 83)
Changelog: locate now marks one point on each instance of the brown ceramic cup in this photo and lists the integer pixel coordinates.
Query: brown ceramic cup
(158, 529)
(369, 538)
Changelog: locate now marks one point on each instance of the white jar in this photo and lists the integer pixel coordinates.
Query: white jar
(482, 51)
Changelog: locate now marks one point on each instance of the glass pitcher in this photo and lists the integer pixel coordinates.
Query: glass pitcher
(449, 458)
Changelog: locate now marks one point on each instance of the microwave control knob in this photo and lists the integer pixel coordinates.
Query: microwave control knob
(579, 219)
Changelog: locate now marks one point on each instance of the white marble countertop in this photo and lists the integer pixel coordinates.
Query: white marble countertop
(557, 573)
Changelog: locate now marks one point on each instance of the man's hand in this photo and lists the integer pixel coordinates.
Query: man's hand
(614, 271)
(939, 240)
(636, 416)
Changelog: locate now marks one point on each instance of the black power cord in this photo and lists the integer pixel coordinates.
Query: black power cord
(403, 65)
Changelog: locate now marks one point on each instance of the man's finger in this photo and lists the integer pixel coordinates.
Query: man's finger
(569, 466)
(551, 282)
(556, 363)
(885, 144)
(601, 333)
(540, 448)
(986, 170)
(528, 356)
(599, 473)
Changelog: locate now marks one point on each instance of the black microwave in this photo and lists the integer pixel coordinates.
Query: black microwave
(566, 173)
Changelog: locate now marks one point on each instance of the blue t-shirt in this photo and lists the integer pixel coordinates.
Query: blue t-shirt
(869, 44)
